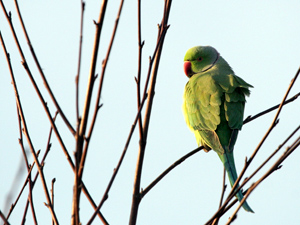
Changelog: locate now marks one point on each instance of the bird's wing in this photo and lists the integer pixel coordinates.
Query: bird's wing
(202, 100)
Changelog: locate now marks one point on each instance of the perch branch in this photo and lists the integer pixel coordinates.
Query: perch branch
(176, 163)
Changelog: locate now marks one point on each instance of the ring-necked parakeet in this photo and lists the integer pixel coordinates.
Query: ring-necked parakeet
(213, 106)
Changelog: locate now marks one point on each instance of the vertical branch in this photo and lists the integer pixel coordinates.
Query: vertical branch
(138, 79)
(216, 220)
(90, 85)
(136, 198)
(52, 195)
(75, 220)
(83, 122)
(223, 187)
(79, 61)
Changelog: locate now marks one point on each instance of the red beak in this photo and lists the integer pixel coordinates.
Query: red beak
(187, 68)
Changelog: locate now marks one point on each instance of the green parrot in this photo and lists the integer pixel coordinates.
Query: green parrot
(213, 105)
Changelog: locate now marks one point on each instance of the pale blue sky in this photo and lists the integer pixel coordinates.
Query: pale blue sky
(259, 39)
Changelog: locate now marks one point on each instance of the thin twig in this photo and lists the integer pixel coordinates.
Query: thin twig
(52, 195)
(90, 85)
(223, 187)
(85, 191)
(250, 118)
(138, 78)
(79, 60)
(41, 71)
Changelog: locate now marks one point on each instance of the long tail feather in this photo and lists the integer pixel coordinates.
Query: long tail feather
(228, 161)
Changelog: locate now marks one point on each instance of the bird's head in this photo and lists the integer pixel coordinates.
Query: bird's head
(199, 59)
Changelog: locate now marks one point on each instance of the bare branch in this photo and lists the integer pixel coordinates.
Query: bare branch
(138, 78)
(90, 85)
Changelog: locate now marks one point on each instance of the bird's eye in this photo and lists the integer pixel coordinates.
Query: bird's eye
(199, 59)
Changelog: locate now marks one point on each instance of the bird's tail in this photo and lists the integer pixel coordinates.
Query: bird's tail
(228, 161)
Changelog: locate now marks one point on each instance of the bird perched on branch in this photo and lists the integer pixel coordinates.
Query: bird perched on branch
(213, 106)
